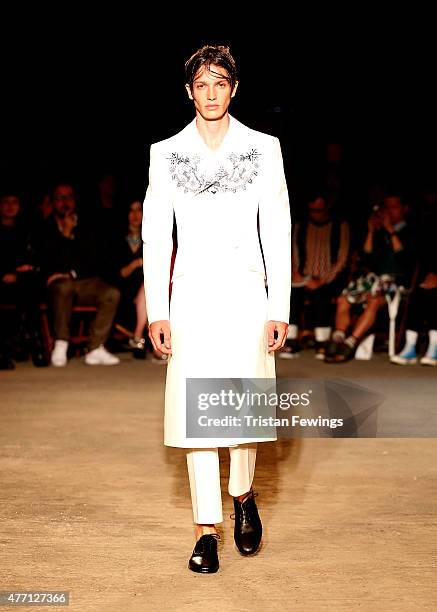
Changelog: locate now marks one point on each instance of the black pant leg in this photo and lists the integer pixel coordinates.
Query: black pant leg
(297, 297)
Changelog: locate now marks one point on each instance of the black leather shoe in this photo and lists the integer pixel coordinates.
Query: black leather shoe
(248, 527)
(204, 559)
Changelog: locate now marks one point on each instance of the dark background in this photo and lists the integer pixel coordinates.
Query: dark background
(86, 95)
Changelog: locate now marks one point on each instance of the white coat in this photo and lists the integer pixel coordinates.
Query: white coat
(219, 306)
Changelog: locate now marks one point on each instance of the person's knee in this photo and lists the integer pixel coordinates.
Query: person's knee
(61, 288)
(110, 294)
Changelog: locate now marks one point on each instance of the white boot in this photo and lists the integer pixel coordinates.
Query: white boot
(59, 353)
(100, 356)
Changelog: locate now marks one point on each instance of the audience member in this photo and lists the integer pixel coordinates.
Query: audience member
(20, 286)
(72, 263)
(126, 269)
(422, 305)
(388, 256)
(320, 249)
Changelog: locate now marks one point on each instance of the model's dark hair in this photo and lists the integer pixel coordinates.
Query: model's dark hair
(207, 55)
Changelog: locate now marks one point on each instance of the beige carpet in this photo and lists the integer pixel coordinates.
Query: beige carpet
(93, 503)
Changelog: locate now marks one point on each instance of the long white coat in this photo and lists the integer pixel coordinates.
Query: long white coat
(219, 306)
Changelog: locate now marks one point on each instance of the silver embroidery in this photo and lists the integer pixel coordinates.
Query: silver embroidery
(233, 174)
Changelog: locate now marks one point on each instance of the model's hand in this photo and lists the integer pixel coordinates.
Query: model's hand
(155, 330)
(282, 329)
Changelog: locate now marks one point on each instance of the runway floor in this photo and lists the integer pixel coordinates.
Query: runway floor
(94, 504)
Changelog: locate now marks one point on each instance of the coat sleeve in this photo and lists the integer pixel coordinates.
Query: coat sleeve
(275, 234)
(156, 231)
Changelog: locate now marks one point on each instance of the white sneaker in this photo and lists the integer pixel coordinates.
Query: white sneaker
(431, 357)
(59, 354)
(100, 356)
(407, 356)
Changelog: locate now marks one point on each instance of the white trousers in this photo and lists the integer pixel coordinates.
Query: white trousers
(204, 476)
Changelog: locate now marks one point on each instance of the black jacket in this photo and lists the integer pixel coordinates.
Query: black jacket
(384, 260)
(15, 248)
(81, 254)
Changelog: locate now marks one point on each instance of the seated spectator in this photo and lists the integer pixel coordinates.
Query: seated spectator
(72, 265)
(20, 285)
(388, 257)
(422, 306)
(320, 252)
(126, 269)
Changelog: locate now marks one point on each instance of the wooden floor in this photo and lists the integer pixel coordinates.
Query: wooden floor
(93, 503)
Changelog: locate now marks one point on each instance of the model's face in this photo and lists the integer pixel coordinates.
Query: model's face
(211, 93)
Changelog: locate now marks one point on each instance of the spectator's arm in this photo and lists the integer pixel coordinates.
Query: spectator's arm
(368, 242)
(367, 253)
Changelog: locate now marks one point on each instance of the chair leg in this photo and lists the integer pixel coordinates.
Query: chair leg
(81, 330)
(47, 336)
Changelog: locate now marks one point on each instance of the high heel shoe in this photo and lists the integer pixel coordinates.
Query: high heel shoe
(204, 558)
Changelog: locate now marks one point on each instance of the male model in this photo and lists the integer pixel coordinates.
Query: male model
(216, 175)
